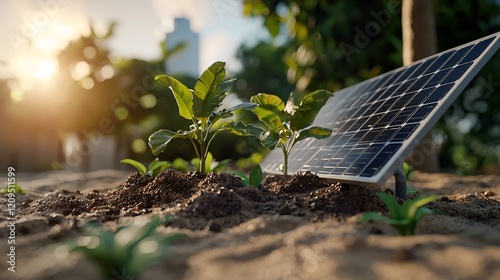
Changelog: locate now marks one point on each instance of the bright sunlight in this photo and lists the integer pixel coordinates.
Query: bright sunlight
(46, 68)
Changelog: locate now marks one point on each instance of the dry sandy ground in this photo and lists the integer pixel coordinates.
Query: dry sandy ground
(464, 246)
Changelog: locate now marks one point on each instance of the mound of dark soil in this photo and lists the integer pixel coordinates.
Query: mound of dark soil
(219, 200)
(214, 200)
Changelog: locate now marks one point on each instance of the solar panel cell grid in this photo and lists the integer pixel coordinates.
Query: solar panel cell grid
(377, 122)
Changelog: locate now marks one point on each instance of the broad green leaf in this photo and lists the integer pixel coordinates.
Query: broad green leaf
(270, 110)
(269, 102)
(206, 91)
(316, 132)
(160, 139)
(255, 177)
(308, 109)
(242, 129)
(183, 95)
(139, 166)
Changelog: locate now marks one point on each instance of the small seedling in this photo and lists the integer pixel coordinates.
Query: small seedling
(255, 177)
(201, 106)
(126, 253)
(15, 189)
(154, 168)
(289, 124)
(404, 218)
(408, 170)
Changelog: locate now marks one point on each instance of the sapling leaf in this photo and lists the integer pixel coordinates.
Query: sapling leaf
(315, 132)
(139, 166)
(270, 110)
(226, 113)
(308, 109)
(270, 140)
(183, 95)
(206, 90)
(226, 85)
(255, 177)
(242, 129)
(159, 140)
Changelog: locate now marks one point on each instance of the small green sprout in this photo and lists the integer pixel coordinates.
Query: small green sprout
(201, 106)
(15, 189)
(126, 253)
(154, 168)
(255, 177)
(404, 218)
(408, 170)
(289, 124)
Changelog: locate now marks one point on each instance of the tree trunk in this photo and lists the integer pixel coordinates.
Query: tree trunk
(420, 41)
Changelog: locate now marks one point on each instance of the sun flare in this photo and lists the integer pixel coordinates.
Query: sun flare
(46, 68)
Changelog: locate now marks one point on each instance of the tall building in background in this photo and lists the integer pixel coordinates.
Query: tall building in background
(187, 61)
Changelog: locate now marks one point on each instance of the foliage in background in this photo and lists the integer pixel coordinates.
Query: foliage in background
(126, 253)
(289, 124)
(328, 45)
(404, 218)
(263, 71)
(155, 167)
(201, 106)
(469, 132)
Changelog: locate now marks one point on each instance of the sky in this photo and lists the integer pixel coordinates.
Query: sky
(33, 31)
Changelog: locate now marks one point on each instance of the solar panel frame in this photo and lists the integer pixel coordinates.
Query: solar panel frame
(411, 88)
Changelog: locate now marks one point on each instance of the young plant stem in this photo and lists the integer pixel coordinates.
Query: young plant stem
(285, 162)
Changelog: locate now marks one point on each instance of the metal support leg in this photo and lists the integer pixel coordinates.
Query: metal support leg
(400, 183)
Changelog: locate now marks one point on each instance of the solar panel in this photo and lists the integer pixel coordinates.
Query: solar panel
(378, 122)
